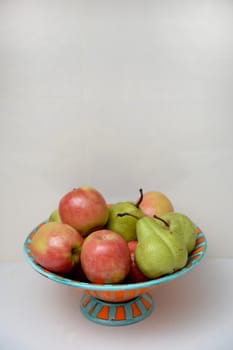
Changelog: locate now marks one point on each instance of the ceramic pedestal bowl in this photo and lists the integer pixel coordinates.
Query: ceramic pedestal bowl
(119, 304)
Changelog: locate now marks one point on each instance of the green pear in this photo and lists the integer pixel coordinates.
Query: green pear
(183, 225)
(153, 257)
(169, 233)
(54, 216)
(160, 250)
(124, 225)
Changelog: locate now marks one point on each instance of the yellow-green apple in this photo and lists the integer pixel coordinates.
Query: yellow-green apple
(105, 257)
(135, 275)
(122, 224)
(155, 203)
(54, 216)
(56, 247)
(83, 208)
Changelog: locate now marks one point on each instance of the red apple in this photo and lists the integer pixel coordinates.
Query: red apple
(134, 275)
(84, 209)
(56, 247)
(155, 203)
(105, 257)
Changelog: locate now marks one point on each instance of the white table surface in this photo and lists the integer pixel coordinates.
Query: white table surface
(192, 312)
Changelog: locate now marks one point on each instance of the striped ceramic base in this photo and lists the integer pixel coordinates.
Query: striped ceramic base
(118, 304)
(116, 314)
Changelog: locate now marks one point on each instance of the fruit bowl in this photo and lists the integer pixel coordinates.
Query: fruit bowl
(118, 304)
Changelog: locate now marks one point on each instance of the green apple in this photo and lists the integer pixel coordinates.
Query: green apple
(124, 225)
(54, 216)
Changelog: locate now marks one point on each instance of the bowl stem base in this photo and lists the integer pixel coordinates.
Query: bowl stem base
(116, 314)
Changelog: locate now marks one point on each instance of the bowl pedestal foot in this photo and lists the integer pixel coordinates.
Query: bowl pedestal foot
(116, 314)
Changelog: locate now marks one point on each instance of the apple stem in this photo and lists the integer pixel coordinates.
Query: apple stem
(164, 221)
(129, 214)
(74, 250)
(140, 199)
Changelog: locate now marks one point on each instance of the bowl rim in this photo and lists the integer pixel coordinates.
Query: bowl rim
(193, 261)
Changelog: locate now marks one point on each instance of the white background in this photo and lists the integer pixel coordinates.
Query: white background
(192, 312)
(117, 95)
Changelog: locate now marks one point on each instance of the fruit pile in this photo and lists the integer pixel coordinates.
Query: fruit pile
(89, 240)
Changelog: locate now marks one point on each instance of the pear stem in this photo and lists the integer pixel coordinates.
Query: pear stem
(129, 214)
(140, 199)
(164, 221)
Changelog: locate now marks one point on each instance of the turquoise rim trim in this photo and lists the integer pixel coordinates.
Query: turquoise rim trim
(194, 260)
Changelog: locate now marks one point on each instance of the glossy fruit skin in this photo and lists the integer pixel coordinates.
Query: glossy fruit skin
(105, 257)
(125, 225)
(84, 209)
(56, 247)
(155, 203)
(134, 275)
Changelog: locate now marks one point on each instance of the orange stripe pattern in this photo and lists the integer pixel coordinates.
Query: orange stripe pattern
(116, 313)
